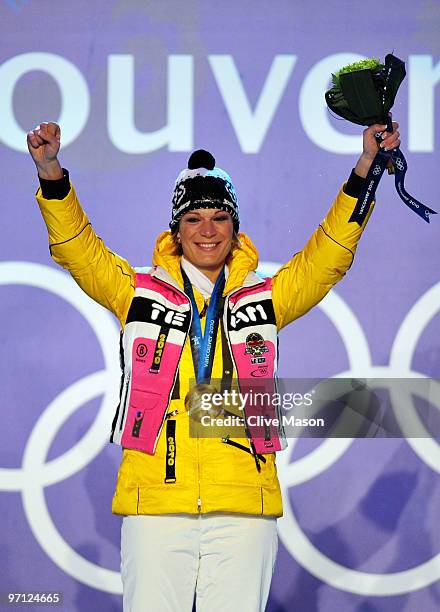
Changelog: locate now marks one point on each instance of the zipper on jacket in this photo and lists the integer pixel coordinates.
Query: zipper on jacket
(199, 499)
(124, 403)
(244, 448)
(171, 414)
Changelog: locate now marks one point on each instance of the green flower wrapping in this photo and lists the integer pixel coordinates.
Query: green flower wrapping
(364, 92)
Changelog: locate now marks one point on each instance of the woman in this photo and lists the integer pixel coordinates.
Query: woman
(199, 512)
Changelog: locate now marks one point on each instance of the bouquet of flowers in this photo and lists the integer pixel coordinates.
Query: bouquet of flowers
(363, 93)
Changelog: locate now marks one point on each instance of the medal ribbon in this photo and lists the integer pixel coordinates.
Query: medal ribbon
(203, 345)
(374, 175)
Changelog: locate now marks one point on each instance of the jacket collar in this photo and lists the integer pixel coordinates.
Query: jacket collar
(242, 263)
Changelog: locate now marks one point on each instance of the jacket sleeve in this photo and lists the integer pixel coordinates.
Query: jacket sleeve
(73, 244)
(310, 274)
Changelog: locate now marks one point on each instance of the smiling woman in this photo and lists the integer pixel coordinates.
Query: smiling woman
(206, 238)
(205, 214)
(199, 511)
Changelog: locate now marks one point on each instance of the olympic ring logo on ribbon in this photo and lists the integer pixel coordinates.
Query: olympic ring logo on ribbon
(36, 473)
(399, 163)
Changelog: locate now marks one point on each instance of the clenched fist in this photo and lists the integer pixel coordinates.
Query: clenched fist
(44, 144)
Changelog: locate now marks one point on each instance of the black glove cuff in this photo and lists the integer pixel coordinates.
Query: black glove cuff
(55, 190)
(353, 186)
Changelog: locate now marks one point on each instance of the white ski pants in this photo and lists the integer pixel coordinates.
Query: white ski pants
(224, 562)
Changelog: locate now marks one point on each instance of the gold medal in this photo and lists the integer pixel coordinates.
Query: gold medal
(198, 402)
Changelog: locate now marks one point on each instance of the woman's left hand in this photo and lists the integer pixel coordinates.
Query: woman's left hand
(389, 140)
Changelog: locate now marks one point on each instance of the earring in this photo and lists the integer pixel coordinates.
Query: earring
(178, 239)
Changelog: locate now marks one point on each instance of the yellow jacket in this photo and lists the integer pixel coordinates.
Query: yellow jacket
(210, 476)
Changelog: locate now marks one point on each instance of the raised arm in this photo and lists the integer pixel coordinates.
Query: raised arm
(310, 274)
(73, 244)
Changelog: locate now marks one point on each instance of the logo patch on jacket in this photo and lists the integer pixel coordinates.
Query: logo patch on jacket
(251, 315)
(141, 351)
(137, 424)
(146, 310)
(256, 347)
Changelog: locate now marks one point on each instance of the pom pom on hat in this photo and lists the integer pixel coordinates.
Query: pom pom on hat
(201, 159)
(203, 185)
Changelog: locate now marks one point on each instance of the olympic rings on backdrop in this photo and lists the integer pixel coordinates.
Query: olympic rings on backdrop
(36, 473)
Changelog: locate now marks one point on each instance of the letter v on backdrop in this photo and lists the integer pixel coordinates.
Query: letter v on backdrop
(251, 125)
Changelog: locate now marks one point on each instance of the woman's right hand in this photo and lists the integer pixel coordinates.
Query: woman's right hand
(44, 144)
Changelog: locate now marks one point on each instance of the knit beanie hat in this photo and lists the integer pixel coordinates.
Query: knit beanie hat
(203, 185)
